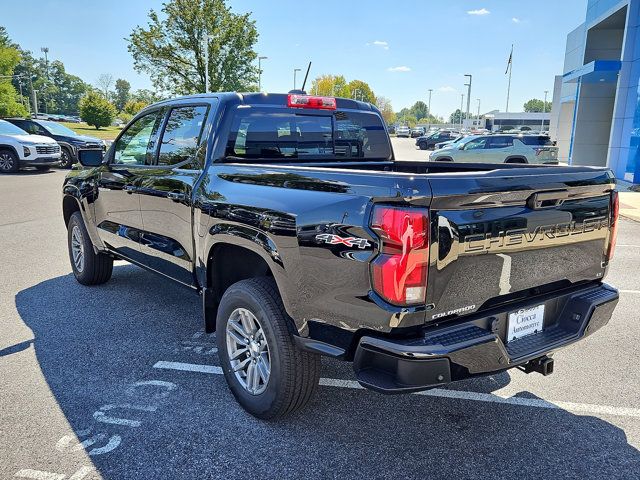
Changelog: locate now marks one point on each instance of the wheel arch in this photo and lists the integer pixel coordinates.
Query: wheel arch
(516, 159)
(6, 146)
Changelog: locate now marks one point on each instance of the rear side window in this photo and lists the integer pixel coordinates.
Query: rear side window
(272, 134)
(500, 142)
(536, 141)
(181, 135)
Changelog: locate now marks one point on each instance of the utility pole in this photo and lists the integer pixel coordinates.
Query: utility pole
(295, 71)
(510, 68)
(478, 112)
(35, 101)
(45, 50)
(260, 72)
(205, 49)
(544, 107)
(33, 94)
(468, 85)
(430, 90)
(461, 105)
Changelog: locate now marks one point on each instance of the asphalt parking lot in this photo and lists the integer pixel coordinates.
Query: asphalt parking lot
(120, 381)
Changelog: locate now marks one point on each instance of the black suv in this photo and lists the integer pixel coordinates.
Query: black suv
(427, 142)
(69, 141)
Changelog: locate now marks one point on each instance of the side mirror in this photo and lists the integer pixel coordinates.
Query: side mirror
(90, 158)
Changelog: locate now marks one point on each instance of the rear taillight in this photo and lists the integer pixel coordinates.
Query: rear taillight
(309, 101)
(613, 234)
(399, 272)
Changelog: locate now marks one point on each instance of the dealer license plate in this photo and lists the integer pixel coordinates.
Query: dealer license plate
(526, 321)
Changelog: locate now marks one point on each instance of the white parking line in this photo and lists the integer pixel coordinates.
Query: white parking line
(442, 393)
(629, 291)
(627, 245)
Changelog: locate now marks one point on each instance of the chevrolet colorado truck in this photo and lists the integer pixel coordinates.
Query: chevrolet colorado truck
(289, 216)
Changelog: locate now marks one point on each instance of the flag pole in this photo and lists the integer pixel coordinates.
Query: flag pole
(510, 67)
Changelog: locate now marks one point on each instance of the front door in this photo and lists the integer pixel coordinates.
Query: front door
(117, 207)
(166, 193)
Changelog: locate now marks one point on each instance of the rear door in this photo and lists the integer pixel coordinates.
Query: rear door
(165, 192)
(512, 233)
(497, 149)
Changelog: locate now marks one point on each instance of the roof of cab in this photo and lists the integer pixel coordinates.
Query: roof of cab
(260, 98)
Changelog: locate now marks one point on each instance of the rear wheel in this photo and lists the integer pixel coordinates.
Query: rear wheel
(8, 161)
(89, 267)
(444, 159)
(267, 374)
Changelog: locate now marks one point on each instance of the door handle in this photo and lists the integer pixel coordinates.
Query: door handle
(176, 196)
(129, 189)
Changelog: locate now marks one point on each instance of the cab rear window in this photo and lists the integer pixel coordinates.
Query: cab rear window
(271, 134)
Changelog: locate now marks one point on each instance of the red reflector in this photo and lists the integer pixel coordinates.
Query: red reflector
(308, 101)
(400, 271)
(613, 234)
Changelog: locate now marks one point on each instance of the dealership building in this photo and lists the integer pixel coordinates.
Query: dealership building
(596, 102)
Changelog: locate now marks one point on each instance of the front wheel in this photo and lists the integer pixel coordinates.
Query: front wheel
(267, 374)
(89, 267)
(8, 162)
(423, 146)
(66, 159)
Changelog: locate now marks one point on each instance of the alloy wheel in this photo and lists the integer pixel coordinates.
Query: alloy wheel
(6, 162)
(77, 248)
(248, 351)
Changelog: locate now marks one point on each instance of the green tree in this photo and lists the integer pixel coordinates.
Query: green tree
(10, 105)
(386, 110)
(146, 96)
(133, 106)
(171, 49)
(123, 93)
(535, 105)
(330, 86)
(456, 116)
(96, 111)
(360, 90)
(420, 109)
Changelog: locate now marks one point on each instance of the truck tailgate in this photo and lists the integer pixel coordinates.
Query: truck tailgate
(506, 235)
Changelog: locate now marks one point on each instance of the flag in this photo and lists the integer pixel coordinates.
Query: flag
(509, 61)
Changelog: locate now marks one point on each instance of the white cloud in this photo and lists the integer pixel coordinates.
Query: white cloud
(482, 11)
(399, 69)
(381, 44)
(515, 20)
(446, 89)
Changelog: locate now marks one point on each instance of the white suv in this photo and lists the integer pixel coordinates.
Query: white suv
(19, 149)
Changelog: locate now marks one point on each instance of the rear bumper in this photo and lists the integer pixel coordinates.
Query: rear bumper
(477, 346)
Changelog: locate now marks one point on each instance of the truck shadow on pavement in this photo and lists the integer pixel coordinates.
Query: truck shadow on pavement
(96, 347)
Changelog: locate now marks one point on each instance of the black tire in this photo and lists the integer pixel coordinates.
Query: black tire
(42, 168)
(423, 146)
(9, 162)
(96, 268)
(66, 158)
(294, 374)
(443, 159)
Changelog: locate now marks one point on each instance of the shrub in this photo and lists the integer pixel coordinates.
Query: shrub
(96, 111)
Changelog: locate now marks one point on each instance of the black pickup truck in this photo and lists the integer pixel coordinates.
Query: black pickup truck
(303, 236)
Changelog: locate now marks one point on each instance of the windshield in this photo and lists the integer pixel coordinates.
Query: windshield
(7, 128)
(57, 129)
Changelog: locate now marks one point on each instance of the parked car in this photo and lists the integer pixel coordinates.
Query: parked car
(403, 131)
(70, 141)
(417, 132)
(18, 149)
(427, 142)
(499, 149)
(440, 145)
(396, 266)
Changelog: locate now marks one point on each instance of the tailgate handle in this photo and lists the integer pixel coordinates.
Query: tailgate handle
(549, 199)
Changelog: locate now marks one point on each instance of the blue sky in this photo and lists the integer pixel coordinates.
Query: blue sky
(400, 48)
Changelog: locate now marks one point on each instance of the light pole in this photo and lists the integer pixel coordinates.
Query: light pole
(205, 49)
(461, 105)
(468, 85)
(544, 107)
(295, 72)
(45, 50)
(260, 72)
(478, 112)
(429, 105)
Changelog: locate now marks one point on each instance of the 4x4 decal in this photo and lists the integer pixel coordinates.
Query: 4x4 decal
(338, 240)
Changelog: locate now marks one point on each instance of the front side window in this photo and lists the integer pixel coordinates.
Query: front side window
(131, 147)
(476, 144)
(181, 135)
